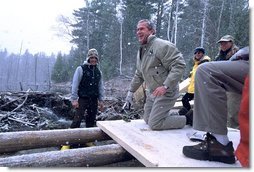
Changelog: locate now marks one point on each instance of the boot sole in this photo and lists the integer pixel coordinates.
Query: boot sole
(191, 154)
(227, 160)
(205, 156)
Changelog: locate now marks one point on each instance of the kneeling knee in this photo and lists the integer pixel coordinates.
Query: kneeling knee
(154, 126)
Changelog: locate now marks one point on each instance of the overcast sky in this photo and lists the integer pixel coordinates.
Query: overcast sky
(31, 22)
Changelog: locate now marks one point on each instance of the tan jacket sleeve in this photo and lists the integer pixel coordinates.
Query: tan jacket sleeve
(137, 80)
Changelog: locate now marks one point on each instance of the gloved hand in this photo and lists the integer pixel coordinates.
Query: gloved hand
(128, 100)
(101, 106)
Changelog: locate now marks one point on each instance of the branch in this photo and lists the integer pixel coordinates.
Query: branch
(17, 120)
(11, 101)
(20, 104)
(14, 119)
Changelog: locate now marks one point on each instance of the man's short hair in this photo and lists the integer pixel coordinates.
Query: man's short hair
(150, 24)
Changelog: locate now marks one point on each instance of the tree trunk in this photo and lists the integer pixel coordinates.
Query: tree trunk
(35, 72)
(16, 141)
(169, 27)
(10, 61)
(49, 75)
(82, 157)
(172, 22)
(159, 18)
(219, 21)
(87, 25)
(204, 24)
(176, 21)
(121, 46)
(231, 15)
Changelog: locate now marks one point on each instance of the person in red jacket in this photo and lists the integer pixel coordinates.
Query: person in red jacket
(242, 151)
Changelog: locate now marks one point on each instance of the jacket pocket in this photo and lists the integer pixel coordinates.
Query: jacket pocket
(159, 74)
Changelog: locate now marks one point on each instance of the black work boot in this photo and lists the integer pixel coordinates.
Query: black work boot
(210, 149)
(182, 111)
(189, 117)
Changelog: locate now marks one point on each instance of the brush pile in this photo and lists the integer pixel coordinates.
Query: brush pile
(29, 110)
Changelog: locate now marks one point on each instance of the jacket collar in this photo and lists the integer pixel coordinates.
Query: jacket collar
(203, 59)
(150, 39)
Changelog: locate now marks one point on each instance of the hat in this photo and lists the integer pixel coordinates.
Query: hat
(92, 53)
(226, 38)
(199, 49)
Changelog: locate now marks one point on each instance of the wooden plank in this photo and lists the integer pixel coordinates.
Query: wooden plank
(159, 148)
(184, 85)
(179, 104)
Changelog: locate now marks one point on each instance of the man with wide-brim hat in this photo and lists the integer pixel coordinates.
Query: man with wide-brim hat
(227, 48)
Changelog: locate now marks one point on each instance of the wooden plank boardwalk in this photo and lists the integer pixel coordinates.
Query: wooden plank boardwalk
(179, 104)
(159, 148)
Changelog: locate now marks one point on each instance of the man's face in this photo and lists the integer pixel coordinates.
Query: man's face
(93, 60)
(225, 45)
(143, 32)
(199, 55)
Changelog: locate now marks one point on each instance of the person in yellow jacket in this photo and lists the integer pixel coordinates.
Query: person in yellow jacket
(199, 58)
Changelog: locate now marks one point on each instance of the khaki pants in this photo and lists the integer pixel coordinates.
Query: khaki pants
(233, 104)
(212, 81)
(156, 112)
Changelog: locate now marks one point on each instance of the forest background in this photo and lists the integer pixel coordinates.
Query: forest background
(110, 27)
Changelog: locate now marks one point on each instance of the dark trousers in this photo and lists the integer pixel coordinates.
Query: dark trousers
(89, 105)
(186, 100)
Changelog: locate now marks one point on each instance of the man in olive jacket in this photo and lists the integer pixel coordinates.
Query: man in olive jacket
(160, 65)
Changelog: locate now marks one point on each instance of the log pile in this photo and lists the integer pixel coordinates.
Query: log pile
(77, 157)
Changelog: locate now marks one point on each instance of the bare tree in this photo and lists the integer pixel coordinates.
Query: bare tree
(120, 19)
(159, 17)
(17, 73)
(64, 27)
(10, 62)
(35, 71)
(87, 24)
(176, 20)
(170, 20)
(49, 74)
(219, 21)
(204, 23)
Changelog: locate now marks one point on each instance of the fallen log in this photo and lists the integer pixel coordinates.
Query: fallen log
(23, 140)
(82, 157)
